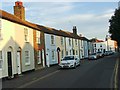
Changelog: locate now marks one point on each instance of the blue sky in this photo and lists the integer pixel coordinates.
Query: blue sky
(91, 18)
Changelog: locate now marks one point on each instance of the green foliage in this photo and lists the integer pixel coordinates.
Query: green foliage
(114, 28)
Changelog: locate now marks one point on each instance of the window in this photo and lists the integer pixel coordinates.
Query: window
(66, 52)
(52, 39)
(76, 42)
(76, 52)
(27, 58)
(61, 40)
(0, 30)
(53, 55)
(94, 45)
(69, 42)
(62, 53)
(1, 60)
(39, 57)
(38, 37)
(70, 52)
(26, 34)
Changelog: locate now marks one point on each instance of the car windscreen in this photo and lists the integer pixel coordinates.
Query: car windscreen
(93, 54)
(99, 52)
(68, 58)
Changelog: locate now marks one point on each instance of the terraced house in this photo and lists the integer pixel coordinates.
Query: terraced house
(25, 46)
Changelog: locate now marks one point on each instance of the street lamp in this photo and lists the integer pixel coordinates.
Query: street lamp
(107, 42)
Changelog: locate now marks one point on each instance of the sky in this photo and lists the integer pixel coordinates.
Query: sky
(90, 18)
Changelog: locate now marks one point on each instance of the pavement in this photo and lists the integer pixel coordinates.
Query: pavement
(27, 77)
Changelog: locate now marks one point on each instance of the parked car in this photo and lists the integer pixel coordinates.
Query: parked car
(100, 54)
(70, 62)
(108, 53)
(93, 56)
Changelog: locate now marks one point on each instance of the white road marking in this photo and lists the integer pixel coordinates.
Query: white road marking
(29, 83)
(114, 76)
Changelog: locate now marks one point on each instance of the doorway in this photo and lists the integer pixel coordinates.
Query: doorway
(9, 58)
(18, 63)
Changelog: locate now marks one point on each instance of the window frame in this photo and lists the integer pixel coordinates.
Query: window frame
(1, 59)
(76, 52)
(69, 42)
(39, 57)
(62, 53)
(27, 63)
(53, 55)
(1, 37)
(76, 43)
(62, 40)
(26, 35)
(38, 41)
(52, 40)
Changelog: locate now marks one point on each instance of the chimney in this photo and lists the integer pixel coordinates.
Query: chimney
(19, 10)
(80, 35)
(74, 30)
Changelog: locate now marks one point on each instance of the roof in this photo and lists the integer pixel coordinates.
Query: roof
(48, 30)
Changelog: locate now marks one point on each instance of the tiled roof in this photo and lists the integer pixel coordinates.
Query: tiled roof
(15, 19)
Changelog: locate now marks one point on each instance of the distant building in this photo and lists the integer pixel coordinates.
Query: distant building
(102, 46)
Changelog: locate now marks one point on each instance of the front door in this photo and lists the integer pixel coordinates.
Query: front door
(18, 63)
(43, 60)
(9, 58)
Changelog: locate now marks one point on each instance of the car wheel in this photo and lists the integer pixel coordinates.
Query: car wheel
(74, 65)
(79, 63)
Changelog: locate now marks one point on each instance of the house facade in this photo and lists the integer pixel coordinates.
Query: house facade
(16, 46)
(102, 46)
(111, 45)
(39, 49)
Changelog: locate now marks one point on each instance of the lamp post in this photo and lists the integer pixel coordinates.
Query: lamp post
(107, 42)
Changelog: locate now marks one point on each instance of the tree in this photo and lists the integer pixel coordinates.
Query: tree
(114, 28)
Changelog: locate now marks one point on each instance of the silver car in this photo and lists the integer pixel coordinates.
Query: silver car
(93, 56)
(70, 62)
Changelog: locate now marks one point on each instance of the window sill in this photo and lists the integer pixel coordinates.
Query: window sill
(52, 44)
(26, 41)
(27, 64)
(39, 63)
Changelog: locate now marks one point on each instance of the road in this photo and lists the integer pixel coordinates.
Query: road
(91, 74)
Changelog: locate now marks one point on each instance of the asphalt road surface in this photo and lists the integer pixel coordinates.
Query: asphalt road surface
(91, 74)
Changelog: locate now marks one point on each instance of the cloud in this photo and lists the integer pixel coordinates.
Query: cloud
(90, 25)
(62, 0)
(60, 15)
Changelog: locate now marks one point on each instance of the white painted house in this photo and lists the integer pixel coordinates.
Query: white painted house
(16, 46)
(111, 45)
(51, 49)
